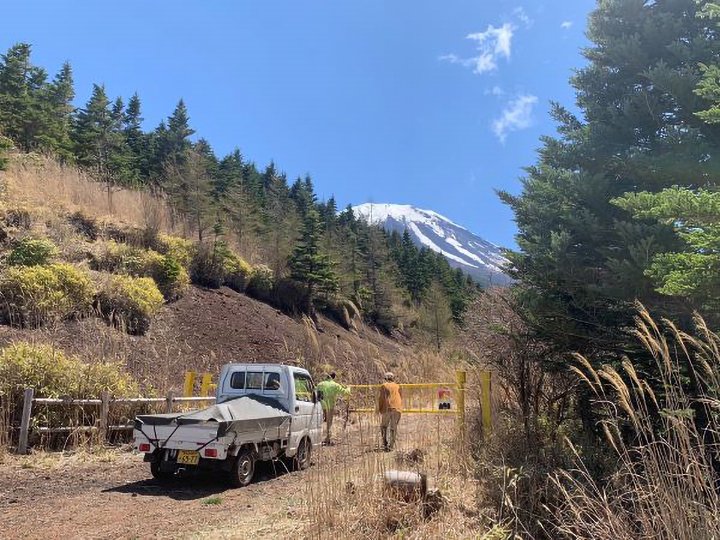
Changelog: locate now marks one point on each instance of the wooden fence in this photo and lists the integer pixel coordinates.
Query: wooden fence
(423, 398)
(105, 402)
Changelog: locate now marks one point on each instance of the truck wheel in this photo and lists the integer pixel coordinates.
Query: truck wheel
(243, 469)
(162, 476)
(303, 455)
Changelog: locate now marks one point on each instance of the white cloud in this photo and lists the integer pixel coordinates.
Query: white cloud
(566, 25)
(523, 17)
(517, 115)
(492, 44)
(495, 91)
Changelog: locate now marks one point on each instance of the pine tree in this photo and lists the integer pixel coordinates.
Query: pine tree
(16, 101)
(23, 114)
(436, 316)
(58, 101)
(172, 141)
(99, 142)
(5, 146)
(137, 141)
(234, 203)
(189, 183)
(282, 223)
(582, 260)
(692, 272)
(308, 265)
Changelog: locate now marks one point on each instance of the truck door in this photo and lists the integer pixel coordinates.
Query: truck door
(307, 415)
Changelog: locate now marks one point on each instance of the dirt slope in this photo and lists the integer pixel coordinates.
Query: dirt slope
(207, 328)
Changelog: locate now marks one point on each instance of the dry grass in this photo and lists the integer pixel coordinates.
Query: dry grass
(665, 440)
(346, 497)
(41, 183)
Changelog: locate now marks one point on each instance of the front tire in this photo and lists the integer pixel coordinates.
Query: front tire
(243, 469)
(303, 455)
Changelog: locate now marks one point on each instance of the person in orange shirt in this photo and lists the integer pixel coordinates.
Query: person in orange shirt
(389, 406)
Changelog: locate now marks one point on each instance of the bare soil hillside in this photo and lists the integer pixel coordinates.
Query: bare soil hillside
(207, 328)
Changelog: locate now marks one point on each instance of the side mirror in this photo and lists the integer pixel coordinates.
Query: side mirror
(317, 396)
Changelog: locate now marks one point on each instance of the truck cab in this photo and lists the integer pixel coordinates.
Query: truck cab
(290, 386)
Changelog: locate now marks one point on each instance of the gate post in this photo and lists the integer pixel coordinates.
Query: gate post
(486, 383)
(189, 385)
(25, 422)
(205, 385)
(460, 379)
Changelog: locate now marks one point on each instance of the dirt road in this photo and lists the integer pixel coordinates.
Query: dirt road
(112, 495)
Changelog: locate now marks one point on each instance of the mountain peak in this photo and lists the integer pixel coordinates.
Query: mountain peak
(463, 249)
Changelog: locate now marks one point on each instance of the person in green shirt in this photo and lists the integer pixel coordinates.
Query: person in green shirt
(330, 390)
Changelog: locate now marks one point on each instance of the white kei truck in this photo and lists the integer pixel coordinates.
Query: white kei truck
(262, 412)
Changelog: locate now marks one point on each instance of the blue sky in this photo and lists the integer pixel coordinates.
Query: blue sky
(422, 102)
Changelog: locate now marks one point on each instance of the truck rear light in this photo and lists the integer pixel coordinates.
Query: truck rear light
(211, 452)
(144, 447)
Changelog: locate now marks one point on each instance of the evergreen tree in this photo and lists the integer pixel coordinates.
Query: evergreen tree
(137, 141)
(59, 107)
(16, 101)
(189, 183)
(692, 272)
(436, 316)
(234, 203)
(5, 145)
(308, 265)
(583, 260)
(172, 141)
(281, 220)
(99, 143)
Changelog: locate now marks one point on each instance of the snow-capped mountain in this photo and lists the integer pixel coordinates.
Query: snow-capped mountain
(475, 256)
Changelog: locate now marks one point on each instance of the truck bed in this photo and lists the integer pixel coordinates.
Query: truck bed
(244, 419)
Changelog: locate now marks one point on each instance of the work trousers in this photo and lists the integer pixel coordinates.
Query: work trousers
(329, 414)
(388, 427)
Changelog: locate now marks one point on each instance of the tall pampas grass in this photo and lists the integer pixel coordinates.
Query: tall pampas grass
(665, 440)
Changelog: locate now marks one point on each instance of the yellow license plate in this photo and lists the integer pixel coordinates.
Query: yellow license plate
(188, 457)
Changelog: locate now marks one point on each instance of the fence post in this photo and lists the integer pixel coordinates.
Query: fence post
(25, 422)
(189, 386)
(169, 402)
(104, 413)
(460, 379)
(486, 382)
(205, 385)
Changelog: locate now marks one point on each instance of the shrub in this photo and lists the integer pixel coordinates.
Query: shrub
(54, 374)
(129, 302)
(32, 295)
(31, 252)
(216, 265)
(206, 267)
(121, 232)
(237, 272)
(180, 249)
(261, 283)
(121, 258)
(171, 277)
